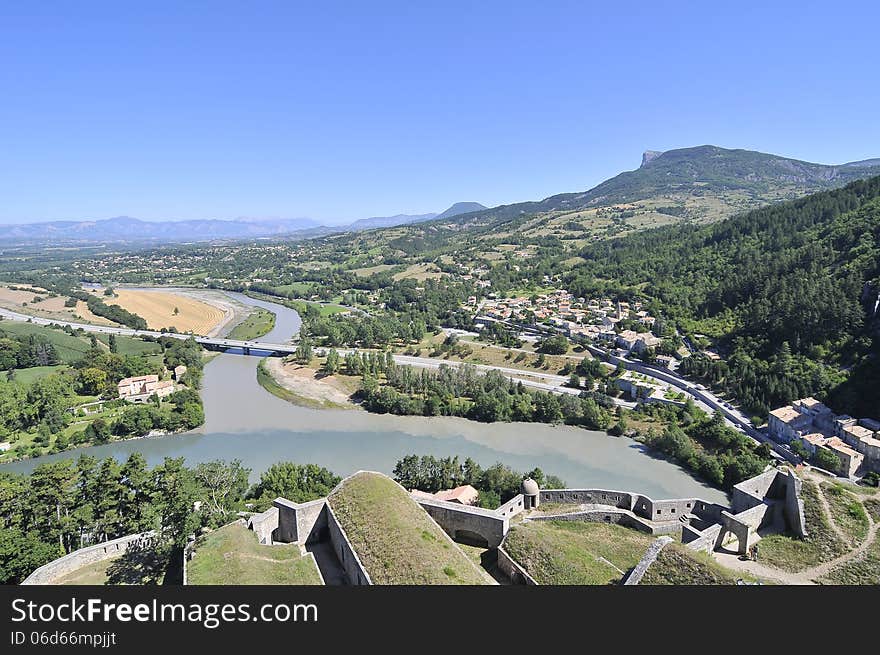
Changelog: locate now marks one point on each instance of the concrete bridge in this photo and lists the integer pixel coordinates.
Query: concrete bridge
(211, 343)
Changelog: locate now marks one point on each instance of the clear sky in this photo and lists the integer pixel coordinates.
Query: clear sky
(335, 111)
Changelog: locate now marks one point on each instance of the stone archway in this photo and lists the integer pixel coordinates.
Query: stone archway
(470, 538)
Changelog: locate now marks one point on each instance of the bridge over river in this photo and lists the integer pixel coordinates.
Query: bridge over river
(212, 343)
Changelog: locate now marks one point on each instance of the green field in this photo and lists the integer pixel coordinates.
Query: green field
(232, 555)
(575, 552)
(847, 512)
(29, 375)
(395, 539)
(130, 345)
(258, 323)
(69, 348)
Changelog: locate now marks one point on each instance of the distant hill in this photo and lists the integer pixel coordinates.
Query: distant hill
(789, 291)
(128, 229)
(386, 221)
(700, 184)
(125, 228)
(863, 163)
(462, 208)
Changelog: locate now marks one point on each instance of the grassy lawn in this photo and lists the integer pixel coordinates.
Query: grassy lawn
(29, 375)
(678, 565)
(575, 552)
(847, 512)
(395, 539)
(130, 345)
(232, 555)
(299, 288)
(492, 355)
(93, 574)
(820, 545)
(259, 322)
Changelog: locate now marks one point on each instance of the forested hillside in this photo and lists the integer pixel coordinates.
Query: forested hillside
(789, 290)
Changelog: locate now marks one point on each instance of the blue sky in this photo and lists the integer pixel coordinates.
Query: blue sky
(185, 110)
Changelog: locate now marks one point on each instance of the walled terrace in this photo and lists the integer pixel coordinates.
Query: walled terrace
(370, 530)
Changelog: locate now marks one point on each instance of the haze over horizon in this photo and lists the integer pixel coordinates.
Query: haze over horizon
(338, 113)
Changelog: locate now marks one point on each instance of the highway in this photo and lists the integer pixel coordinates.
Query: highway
(704, 398)
(534, 380)
(281, 348)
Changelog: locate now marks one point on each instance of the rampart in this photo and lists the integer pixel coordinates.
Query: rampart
(351, 563)
(515, 573)
(635, 576)
(49, 573)
(467, 524)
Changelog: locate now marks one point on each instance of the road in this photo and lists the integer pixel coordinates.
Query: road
(285, 348)
(534, 380)
(704, 398)
(542, 381)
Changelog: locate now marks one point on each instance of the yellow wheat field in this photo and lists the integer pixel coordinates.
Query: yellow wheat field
(157, 309)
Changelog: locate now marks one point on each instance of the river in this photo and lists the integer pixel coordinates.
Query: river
(244, 421)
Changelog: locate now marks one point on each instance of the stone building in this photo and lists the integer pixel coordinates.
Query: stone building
(139, 389)
(856, 442)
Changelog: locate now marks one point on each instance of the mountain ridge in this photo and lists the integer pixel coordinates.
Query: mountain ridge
(127, 228)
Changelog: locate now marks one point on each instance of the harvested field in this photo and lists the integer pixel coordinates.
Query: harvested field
(158, 309)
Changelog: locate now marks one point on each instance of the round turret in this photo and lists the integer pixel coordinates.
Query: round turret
(531, 493)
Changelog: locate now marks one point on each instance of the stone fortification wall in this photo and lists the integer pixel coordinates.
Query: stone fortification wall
(516, 573)
(48, 573)
(704, 540)
(635, 576)
(351, 563)
(264, 525)
(512, 507)
(300, 522)
(463, 521)
(643, 506)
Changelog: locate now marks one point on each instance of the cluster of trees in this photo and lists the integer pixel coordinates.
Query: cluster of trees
(297, 482)
(706, 445)
(555, 345)
(461, 391)
(794, 272)
(25, 351)
(42, 406)
(496, 484)
(66, 505)
(365, 331)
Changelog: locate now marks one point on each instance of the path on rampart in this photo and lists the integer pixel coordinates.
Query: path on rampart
(807, 576)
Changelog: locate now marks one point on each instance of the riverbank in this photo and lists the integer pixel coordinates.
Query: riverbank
(258, 324)
(305, 386)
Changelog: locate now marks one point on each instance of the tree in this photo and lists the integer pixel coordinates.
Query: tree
(555, 345)
(92, 382)
(303, 354)
(574, 381)
(111, 342)
(225, 485)
(331, 364)
(827, 460)
(297, 482)
(175, 494)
